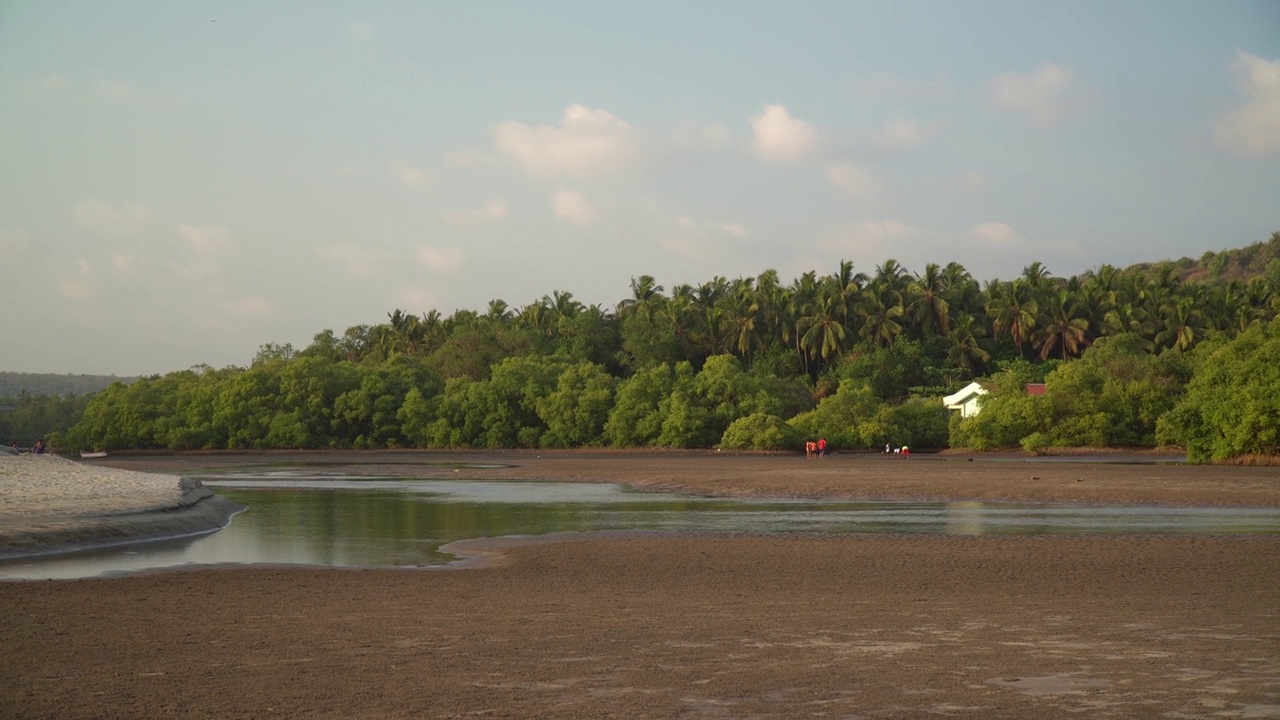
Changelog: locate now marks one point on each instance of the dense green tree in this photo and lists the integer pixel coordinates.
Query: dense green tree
(838, 417)
(760, 431)
(576, 411)
(1232, 404)
(636, 417)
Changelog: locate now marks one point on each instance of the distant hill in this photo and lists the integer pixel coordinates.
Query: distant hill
(13, 384)
(1244, 264)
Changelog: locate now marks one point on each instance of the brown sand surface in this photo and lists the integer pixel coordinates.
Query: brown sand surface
(714, 627)
(1111, 479)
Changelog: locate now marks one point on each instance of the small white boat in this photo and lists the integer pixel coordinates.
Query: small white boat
(87, 454)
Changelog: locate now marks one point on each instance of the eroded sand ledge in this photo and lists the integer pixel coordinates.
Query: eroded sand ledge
(51, 504)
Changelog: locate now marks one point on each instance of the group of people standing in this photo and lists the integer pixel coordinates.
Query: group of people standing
(815, 449)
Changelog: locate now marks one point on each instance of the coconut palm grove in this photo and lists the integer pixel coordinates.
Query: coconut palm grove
(1176, 353)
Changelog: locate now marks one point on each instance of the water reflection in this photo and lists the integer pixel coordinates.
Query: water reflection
(342, 521)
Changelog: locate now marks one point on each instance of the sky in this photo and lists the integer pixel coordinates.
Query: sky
(181, 183)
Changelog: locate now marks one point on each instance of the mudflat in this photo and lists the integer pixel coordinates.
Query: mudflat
(703, 626)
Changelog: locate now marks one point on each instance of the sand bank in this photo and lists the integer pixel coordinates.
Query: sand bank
(49, 503)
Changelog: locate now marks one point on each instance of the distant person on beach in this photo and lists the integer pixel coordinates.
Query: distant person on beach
(906, 452)
(808, 449)
(38, 448)
(822, 447)
(886, 448)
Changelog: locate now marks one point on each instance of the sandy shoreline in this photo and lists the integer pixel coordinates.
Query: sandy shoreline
(1116, 480)
(49, 503)
(699, 627)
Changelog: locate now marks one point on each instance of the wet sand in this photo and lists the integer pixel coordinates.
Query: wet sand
(717, 627)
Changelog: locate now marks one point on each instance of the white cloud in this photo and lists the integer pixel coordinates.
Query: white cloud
(570, 205)
(440, 259)
(360, 31)
(360, 262)
(100, 218)
(209, 240)
(117, 91)
(710, 137)
(779, 137)
(856, 180)
(587, 142)
(995, 233)
(77, 283)
(250, 306)
(411, 176)
(698, 240)
(490, 211)
(1044, 96)
(889, 85)
(869, 238)
(200, 270)
(418, 298)
(467, 157)
(1252, 128)
(125, 262)
(972, 180)
(49, 83)
(906, 134)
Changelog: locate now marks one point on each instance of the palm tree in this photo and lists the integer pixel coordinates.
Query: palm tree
(804, 295)
(964, 350)
(928, 305)
(1036, 276)
(822, 332)
(880, 310)
(1013, 311)
(775, 315)
(562, 305)
(643, 292)
(893, 276)
(1182, 325)
(742, 310)
(499, 312)
(1061, 325)
(537, 317)
(849, 283)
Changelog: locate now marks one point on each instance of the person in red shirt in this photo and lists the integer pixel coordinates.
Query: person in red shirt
(822, 447)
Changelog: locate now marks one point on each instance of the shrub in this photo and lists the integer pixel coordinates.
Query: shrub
(761, 431)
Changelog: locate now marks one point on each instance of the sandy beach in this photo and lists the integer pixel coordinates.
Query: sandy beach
(715, 627)
(49, 502)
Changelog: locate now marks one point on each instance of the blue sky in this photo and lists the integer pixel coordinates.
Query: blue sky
(183, 182)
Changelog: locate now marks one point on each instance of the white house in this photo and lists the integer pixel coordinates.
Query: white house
(965, 399)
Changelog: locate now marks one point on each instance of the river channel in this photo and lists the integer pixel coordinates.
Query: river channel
(305, 517)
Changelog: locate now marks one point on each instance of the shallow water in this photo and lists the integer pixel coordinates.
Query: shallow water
(304, 517)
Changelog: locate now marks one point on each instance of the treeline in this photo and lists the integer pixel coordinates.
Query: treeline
(752, 362)
(1221, 401)
(527, 401)
(14, 384)
(28, 418)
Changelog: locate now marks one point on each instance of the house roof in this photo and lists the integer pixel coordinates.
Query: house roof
(1035, 388)
(962, 395)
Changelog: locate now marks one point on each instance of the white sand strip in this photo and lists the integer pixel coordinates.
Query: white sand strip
(48, 503)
